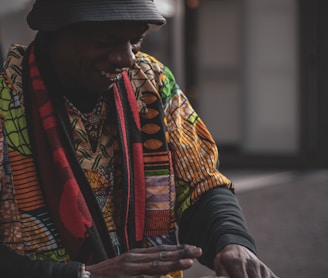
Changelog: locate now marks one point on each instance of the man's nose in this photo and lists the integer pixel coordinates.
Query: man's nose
(123, 57)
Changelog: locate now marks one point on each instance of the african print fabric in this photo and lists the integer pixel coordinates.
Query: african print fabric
(26, 226)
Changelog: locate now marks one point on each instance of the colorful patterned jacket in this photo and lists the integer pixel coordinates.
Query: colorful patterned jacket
(25, 225)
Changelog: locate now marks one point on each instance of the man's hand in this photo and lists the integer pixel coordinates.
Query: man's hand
(147, 262)
(236, 261)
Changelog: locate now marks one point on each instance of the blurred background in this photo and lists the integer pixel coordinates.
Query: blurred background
(255, 71)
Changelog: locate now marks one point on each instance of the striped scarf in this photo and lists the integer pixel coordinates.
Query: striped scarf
(69, 197)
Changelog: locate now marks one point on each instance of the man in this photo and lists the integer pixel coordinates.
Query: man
(101, 155)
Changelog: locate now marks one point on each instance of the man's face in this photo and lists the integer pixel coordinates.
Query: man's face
(91, 56)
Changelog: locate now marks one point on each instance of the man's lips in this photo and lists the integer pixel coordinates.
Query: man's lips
(111, 77)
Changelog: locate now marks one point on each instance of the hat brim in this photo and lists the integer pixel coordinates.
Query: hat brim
(53, 15)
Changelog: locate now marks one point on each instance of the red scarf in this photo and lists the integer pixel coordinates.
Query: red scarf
(69, 197)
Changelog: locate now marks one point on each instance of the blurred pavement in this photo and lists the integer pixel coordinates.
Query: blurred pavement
(287, 214)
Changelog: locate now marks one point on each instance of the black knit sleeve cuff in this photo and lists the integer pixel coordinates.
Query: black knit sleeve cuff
(215, 221)
(243, 240)
(28, 268)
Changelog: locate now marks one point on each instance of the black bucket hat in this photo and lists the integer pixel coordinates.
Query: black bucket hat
(51, 15)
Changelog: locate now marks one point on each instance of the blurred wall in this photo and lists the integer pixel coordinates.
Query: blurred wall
(248, 91)
(13, 26)
(220, 62)
(271, 71)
